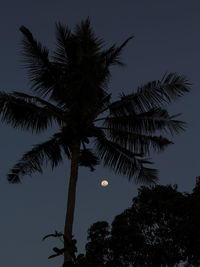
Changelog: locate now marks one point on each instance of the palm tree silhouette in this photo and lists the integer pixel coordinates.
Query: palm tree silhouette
(70, 89)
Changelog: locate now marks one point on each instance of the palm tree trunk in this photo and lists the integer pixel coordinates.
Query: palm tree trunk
(71, 200)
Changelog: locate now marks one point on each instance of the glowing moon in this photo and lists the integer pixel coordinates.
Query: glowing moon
(104, 183)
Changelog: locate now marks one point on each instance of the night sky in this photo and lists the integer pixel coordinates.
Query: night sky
(167, 39)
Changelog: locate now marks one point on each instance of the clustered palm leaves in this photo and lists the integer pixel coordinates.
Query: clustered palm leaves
(70, 89)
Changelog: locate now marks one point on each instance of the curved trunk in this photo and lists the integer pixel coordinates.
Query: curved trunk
(71, 201)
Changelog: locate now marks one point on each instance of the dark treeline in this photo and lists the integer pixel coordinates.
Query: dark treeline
(161, 228)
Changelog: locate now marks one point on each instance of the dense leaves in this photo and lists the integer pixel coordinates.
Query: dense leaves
(161, 228)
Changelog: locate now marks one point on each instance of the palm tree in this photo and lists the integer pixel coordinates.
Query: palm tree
(70, 93)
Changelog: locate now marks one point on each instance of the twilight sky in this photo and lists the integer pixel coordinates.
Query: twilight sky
(167, 38)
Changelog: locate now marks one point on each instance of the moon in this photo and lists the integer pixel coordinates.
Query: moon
(104, 183)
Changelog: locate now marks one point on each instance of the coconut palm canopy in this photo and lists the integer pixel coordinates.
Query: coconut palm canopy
(70, 88)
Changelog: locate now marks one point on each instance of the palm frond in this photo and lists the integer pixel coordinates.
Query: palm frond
(42, 73)
(112, 54)
(56, 111)
(105, 102)
(123, 161)
(24, 113)
(88, 159)
(85, 34)
(33, 49)
(150, 122)
(57, 251)
(70, 46)
(147, 175)
(79, 63)
(56, 234)
(137, 142)
(64, 44)
(32, 161)
(153, 94)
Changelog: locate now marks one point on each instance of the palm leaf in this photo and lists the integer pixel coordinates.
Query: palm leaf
(123, 161)
(64, 43)
(153, 94)
(112, 55)
(33, 49)
(56, 111)
(58, 252)
(137, 142)
(32, 161)
(149, 122)
(86, 35)
(24, 113)
(88, 159)
(42, 73)
(56, 234)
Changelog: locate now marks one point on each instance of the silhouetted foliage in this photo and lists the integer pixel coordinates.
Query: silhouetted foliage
(161, 228)
(69, 245)
(70, 91)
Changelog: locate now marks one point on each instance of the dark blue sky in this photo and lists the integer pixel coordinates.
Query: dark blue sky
(166, 39)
